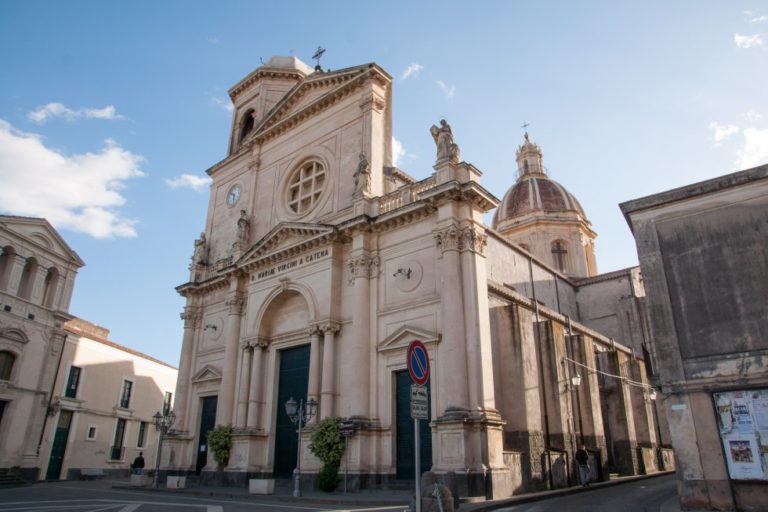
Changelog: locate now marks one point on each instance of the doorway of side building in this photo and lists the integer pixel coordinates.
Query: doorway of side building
(405, 445)
(207, 422)
(293, 381)
(59, 446)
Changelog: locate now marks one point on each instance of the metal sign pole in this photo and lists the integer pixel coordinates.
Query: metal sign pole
(346, 464)
(418, 464)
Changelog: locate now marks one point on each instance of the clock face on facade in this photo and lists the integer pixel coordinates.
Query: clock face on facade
(233, 195)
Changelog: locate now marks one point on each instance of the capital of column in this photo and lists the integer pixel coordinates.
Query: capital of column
(472, 239)
(363, 267)
(236, 305)
(314, 330)
(449, 239)
(191, 316)
(330, 327)
(257, 343)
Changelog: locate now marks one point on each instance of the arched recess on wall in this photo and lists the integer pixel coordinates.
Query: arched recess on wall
(51, 286)
(246, 125)
(289, 307)
(6, 264)
(27, 281)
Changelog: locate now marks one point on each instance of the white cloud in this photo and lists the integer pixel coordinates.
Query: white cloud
(722, 131)
(448, 90)
(411, 71)
(212, 40)
(223, 103)
(78, 192)
(756, 19)
(752, 116)
(196, 183)
(51, 110)
(755, 149)
(398, 151)
(747, 41)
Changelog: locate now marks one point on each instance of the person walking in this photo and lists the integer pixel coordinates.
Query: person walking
(582, 457)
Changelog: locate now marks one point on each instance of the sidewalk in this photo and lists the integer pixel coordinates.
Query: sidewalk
(386, 498)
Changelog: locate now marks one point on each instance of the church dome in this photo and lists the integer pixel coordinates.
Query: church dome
(534, 190)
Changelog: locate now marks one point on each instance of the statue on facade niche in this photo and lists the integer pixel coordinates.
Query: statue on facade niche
(362, 176)
(200, 256)
(243, 225)
(446, 148)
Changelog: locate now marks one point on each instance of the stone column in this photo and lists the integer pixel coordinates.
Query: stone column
(359, 379)
(313, 387)
(191, 317)
(254, 395)
(453, 393)
(229, 369)
(244, 387)
(620, 418)
(327, 390)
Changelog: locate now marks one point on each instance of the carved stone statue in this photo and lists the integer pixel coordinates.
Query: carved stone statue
(446, 148)
(200, 257)
(243, 225)
(362, 176)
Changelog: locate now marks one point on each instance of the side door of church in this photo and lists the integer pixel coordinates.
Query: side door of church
(405, 444)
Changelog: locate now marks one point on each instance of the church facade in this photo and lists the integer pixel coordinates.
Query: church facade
(321, 261)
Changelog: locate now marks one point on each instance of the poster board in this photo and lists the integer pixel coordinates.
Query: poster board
(742, 418)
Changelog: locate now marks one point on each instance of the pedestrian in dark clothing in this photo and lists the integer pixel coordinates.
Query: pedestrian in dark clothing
(582, 457)
(138, 464)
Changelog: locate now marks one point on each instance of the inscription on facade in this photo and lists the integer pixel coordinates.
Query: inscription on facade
(290, 265)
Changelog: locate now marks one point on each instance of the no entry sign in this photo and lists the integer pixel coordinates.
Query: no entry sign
(418, 362)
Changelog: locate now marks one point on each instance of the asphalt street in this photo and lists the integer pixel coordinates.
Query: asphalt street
(87, 497)
(648, 495)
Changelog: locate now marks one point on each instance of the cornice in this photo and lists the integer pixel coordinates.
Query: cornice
(262, 72)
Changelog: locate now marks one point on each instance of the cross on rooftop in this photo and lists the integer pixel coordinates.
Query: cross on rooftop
(319, 53)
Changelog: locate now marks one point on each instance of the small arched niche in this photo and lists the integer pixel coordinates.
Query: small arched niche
(287, 312)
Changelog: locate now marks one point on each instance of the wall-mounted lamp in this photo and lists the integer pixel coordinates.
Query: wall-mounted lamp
(652, 394)
(576, 380)
(402, 271)
(210, 326)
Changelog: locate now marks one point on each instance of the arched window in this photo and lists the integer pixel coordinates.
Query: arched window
(6, 264)
(27, 281)
(247, 125)
(525, 166)
(6, 364)
(51, 282)
(560, 255)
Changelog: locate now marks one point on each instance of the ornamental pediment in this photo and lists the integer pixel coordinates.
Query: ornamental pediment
(403, 336)
(41, 233)
(207, 373)
(315, 93)
(287, 237)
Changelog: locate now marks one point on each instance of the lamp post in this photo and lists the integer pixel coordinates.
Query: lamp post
(300, 414)
(162, 423)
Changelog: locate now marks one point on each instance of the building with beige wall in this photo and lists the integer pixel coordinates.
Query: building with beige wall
(320, 262)
(37, 277)
(103, 401)
(703, 254)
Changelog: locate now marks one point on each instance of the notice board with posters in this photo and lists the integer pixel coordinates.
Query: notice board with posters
(742, 417)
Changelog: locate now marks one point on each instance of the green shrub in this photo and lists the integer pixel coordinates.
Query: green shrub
(219, 442)
(328, 478)
(327, 443)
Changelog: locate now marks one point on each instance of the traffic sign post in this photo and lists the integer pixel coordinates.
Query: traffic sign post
(417, 361)
(347, 429)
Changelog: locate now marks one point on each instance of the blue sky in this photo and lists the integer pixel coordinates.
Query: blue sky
(110, 112)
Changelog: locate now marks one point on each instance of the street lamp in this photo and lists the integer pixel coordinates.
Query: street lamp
(162, 423)
(300, 414)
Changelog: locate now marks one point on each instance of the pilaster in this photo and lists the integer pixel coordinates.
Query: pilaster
(225, 405)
